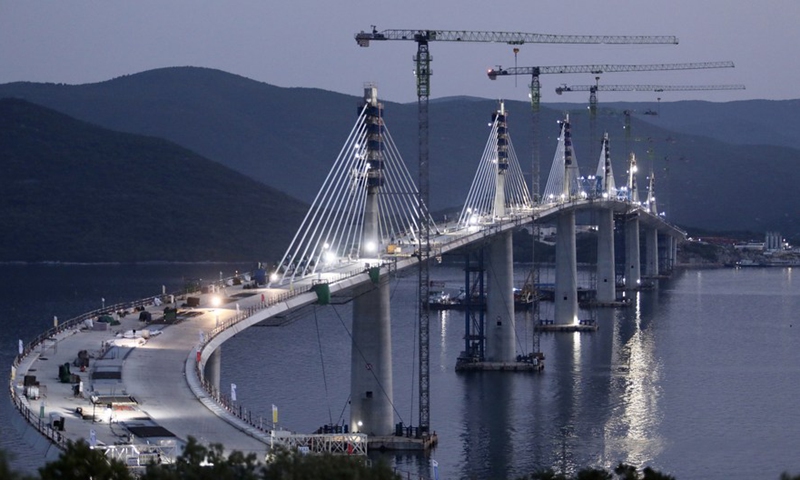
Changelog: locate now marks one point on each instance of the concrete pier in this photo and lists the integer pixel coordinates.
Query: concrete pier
(606, 288)
(566, 288)
(500, 323)
(672, 252)
(651, 252)
(371, 362)
(633, 269)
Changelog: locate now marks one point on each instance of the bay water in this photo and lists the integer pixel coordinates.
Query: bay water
(699, 378)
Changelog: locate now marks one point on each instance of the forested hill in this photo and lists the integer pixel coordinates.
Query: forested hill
(74, 192)
(718, 166)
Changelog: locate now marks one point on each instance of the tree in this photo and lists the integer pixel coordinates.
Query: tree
(81, 462)
(286, 464)
(629, 472)
(198, 462)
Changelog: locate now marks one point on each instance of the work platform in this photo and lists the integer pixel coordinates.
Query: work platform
(407, 443)
(614, 304)
(533, 362)
(582, 326)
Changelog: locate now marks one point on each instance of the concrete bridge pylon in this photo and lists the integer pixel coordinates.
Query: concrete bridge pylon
(371, 355)
(371, 394)
(606, 280)
(566, 288)
(633, 268)
(500, 329)
(606, 284)
(651, 251)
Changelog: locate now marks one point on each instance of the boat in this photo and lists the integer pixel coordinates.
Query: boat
(443, 300)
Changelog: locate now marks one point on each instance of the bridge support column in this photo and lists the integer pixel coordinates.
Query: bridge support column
(633, 270)
(500, 329)
(666, 249)
(674, 250)
(211, 372)
(371, 362)
(606, 288)
(566, 289)
(651, 246)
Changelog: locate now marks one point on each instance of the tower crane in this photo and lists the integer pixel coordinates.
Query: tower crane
(423, 73)
(597, 69)
(593, 89)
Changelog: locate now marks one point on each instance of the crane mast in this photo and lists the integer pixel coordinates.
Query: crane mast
(423, 72)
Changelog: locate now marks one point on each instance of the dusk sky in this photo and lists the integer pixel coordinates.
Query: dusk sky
(304, 43)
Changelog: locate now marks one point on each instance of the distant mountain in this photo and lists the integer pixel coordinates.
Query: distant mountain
(747, 122)
(75, 192)
(718, 166)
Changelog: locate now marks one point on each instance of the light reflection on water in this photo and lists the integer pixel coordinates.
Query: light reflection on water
(605, 397)
(700, 378)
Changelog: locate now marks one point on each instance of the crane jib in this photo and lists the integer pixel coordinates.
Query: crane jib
(511, 38)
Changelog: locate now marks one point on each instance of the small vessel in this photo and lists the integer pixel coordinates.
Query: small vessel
(439, 300)
(442, 300)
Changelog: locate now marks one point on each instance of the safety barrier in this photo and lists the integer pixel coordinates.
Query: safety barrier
(35, 419)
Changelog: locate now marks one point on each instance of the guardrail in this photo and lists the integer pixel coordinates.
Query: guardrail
(33, 418)
(247, 415)
(39, 422)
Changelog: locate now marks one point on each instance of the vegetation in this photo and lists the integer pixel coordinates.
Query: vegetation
(74, 192)
(710, 254)
(707, 157)
(198, 462)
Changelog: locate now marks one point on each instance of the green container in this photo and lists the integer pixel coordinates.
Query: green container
(323, 291)
(375, 274)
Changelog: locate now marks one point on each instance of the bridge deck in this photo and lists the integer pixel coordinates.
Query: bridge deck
(151, 384)
(146, 382)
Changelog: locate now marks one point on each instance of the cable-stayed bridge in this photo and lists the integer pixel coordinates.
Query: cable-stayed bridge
(364, 225)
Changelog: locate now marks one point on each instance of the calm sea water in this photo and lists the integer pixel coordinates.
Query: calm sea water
(699, 379)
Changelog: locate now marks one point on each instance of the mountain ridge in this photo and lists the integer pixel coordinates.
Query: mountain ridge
(287, 138)
(75, 192)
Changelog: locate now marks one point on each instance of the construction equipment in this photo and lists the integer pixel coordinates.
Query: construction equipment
(535, 97)
(535, 72)
(423, 73)
(593, 89)
(597, 69)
